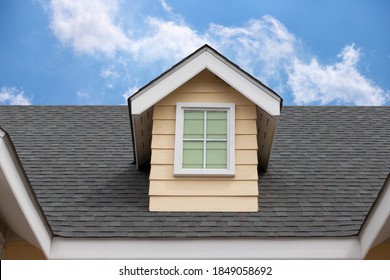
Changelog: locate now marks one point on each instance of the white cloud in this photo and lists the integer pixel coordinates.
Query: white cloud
(82, 94)
(264, 47)
(109, 73)
(84, 97)
(338, 83)
(88, 25)
(13, 96)
(166, 6)
(168, 9)
(165, 40)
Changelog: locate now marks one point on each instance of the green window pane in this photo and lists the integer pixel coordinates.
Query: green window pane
(193, 125)
(192, 154)
(216, 155)
(216, 126)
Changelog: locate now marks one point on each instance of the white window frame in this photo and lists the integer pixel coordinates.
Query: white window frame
(178, 169)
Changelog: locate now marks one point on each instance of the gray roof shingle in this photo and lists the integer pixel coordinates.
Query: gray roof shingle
(327, 167)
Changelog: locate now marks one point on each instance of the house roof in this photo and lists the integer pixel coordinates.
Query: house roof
(327, 167)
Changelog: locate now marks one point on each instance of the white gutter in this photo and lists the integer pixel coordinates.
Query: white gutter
(289, 248)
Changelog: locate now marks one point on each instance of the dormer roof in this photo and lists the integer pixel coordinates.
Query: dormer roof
(141, 103)
(206, 58)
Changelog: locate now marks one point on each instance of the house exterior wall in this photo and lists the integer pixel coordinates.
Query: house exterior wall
(21, 250)
(185, 193)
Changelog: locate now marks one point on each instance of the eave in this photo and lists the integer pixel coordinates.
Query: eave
(376, 227)
(19, 208)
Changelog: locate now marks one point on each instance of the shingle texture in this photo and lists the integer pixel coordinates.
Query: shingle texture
(327, 166)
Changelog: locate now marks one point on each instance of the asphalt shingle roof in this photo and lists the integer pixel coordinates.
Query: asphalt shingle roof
(327, 167)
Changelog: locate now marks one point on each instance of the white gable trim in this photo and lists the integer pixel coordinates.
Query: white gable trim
(258, 94)
(18, 206)
(163, 86)
(206, 58)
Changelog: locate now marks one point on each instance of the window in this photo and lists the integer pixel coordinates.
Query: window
(204, 139)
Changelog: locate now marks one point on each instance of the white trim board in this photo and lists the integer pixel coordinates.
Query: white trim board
(206, 58)
(18, 206)
(289, 248)
(231, 133)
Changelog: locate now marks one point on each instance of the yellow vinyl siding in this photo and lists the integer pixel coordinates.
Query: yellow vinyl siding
(212, 188)
(163, 142)
(245, 127)
(246, 142)
(246, 157)
(213, 193)
(246, 112)
(163, 127)
(210, 203)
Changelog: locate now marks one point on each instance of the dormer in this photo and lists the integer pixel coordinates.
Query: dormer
(205, 127)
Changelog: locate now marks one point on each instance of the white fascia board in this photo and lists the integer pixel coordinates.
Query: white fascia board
(243, 84)
(163, 86)
(26, 214)
(281, 248)
(166, 84)
(376, 228)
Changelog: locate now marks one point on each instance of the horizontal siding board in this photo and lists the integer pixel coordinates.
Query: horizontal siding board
(246, 112)
(246, 157)
(246, 142)
(211, 188)
(164, 112)
(202, 86)
(163, 127)
(246, 127)
(226, 203)
(163, 142)
(162, 156)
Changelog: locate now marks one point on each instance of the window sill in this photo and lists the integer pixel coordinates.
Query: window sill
(204, 173)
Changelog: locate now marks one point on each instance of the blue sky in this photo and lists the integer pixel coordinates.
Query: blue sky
(62, 52)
